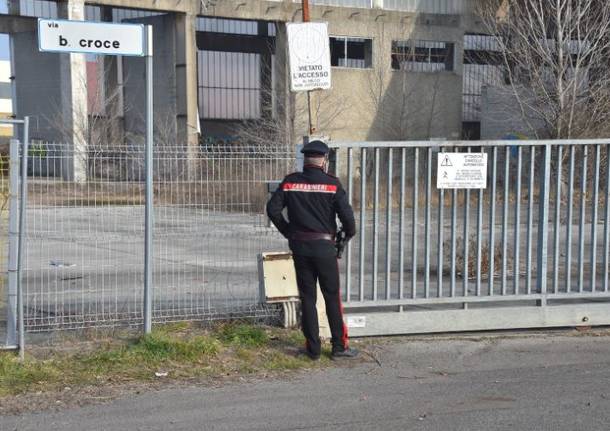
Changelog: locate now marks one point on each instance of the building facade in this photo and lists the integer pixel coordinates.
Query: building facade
(221, 72)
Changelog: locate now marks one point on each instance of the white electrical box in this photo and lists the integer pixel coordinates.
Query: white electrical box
(278, 284)
(278, 279)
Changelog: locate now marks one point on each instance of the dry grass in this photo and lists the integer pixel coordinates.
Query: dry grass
(472, 257)
(183, 351)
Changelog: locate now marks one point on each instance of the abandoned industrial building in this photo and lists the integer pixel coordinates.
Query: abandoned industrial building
(401, 70)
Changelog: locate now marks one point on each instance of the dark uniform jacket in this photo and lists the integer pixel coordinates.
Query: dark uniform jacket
(314, 199)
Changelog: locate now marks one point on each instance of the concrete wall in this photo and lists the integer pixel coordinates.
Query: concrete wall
(424, 104)
(38, 87)
(164, 81)
(175, 87)
(385, 104)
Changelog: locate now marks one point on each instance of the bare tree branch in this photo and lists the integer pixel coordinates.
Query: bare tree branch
(555, 59)
(273, 131)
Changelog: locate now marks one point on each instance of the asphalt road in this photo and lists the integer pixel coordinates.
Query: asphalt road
(525, 382)
(91, 263)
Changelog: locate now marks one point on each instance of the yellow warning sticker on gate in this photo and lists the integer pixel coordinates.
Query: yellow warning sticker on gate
(461, 171)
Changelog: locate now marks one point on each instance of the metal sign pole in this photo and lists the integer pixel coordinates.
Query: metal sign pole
(148, 245)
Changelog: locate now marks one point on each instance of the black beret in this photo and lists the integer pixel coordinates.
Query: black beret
(315, 147)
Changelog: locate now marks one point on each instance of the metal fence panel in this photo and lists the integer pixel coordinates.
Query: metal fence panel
(210, 226)
(538, 236)
(85, 241)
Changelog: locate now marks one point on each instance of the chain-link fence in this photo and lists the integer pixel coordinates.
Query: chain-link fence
(85, 240)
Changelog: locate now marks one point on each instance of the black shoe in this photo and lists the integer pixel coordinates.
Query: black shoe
(310, 355)
(347, 353)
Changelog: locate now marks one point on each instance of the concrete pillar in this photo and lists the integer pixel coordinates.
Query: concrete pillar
(266, 75)
(285, 99)
(73, 83)
(186, 88)
(14, 7)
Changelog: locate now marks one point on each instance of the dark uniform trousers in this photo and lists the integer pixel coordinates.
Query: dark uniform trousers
(311, 270)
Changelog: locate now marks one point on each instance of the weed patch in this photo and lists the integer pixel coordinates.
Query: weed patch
(243, 335)
(174, 351)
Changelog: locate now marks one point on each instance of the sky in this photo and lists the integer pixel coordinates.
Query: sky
(4, 48)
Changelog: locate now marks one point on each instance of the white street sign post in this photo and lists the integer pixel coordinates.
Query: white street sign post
(461, 171)
(114, 39)
(309, 53)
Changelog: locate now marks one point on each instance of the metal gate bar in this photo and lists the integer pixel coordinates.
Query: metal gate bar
(607, 222)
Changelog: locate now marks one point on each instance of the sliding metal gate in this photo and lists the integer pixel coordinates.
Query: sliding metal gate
(530, 250)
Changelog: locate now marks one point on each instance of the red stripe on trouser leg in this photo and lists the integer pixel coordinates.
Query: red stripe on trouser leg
(344, 339)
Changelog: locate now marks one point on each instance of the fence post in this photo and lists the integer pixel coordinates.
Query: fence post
(148, 222)
(13, 243)
(23, 204)
(543, 218)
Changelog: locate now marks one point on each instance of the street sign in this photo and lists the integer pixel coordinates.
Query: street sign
(91, 37)
(461, 171)
(309, 52)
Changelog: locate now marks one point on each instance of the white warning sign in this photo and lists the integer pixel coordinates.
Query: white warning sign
(356, 321)
(461, 171)
(309, 52)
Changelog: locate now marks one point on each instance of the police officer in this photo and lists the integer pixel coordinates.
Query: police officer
(314, 199)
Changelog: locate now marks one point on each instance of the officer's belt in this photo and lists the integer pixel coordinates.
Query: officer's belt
(311, 236)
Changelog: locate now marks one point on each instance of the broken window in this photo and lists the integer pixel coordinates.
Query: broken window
(483, 66)
(351, 52)
(422, 56)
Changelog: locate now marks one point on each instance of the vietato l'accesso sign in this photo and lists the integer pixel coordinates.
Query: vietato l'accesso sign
(309, 52)
(91, 37)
